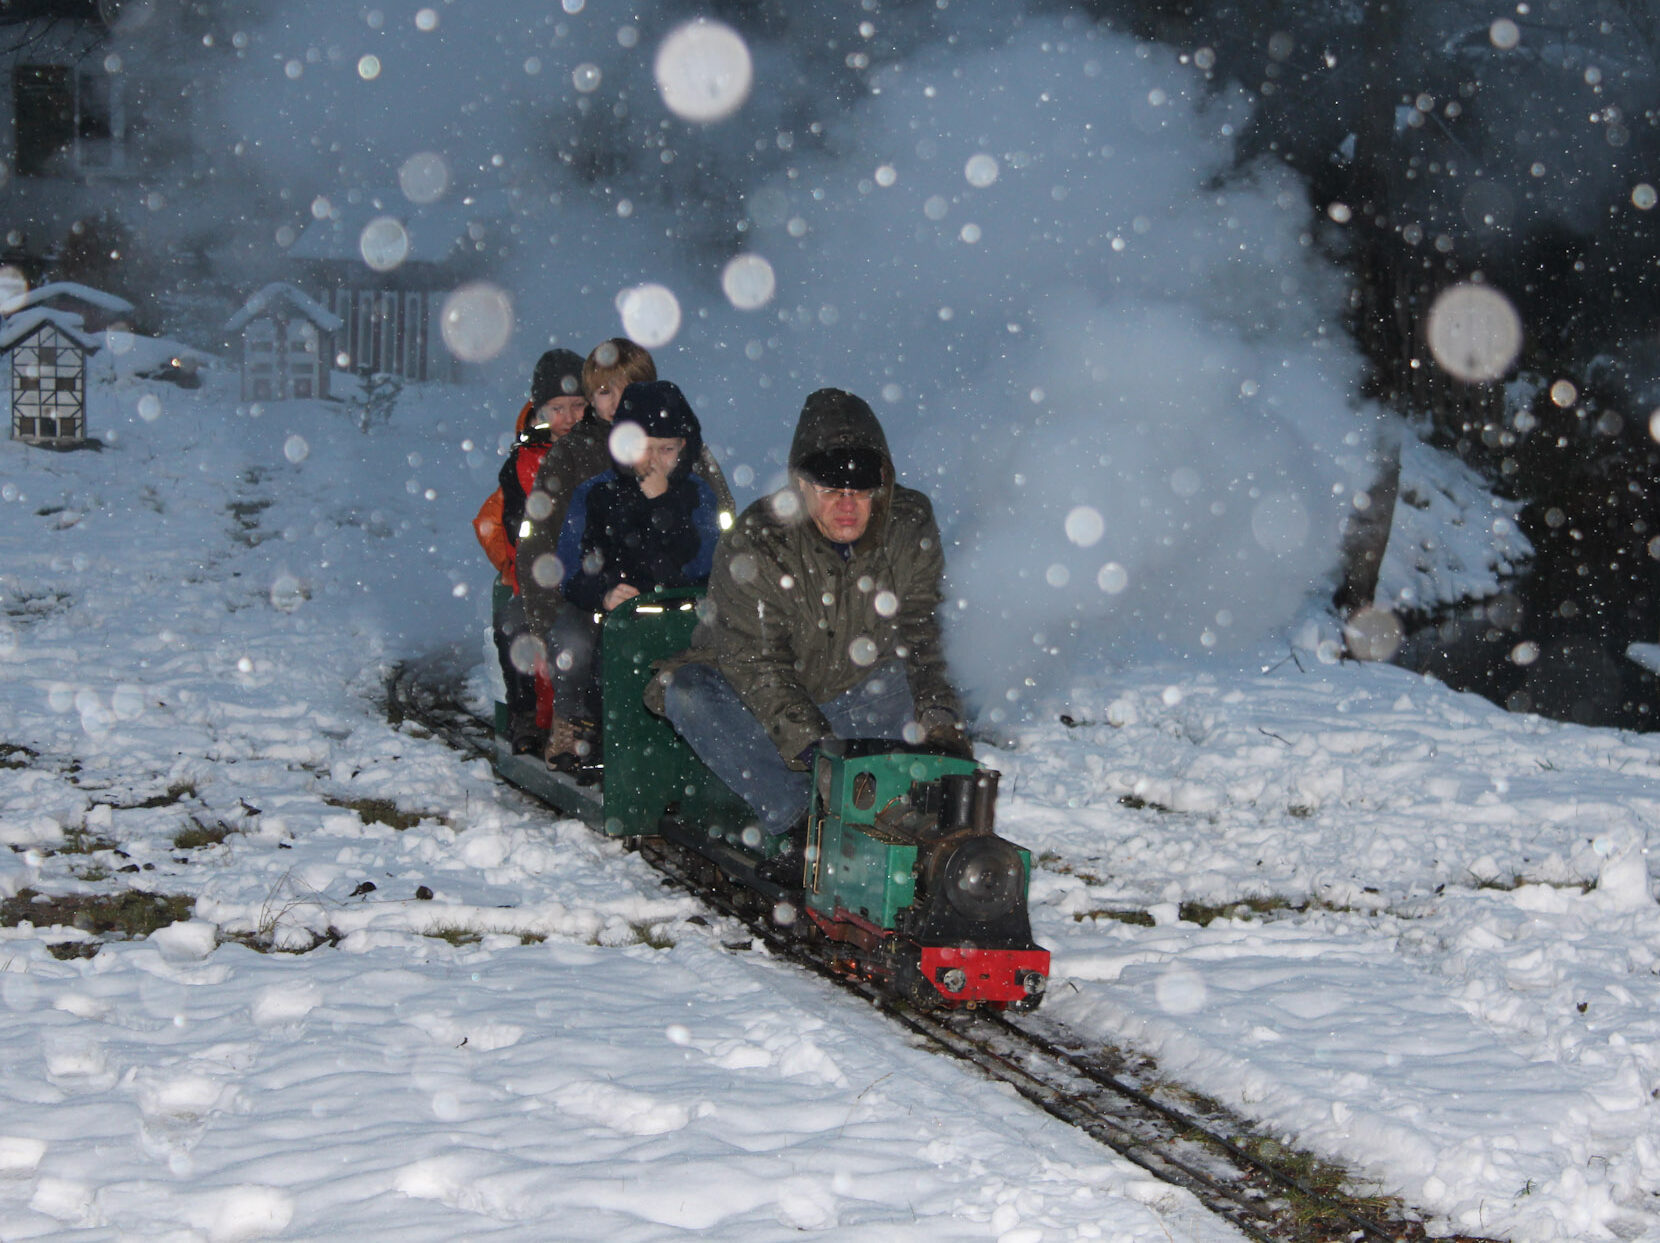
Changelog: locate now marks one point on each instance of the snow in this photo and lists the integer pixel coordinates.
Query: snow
(1447, 982)
(68, 291)
(1452, 540)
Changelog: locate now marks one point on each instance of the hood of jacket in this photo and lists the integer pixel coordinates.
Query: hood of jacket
(661, 410)
(834, 419)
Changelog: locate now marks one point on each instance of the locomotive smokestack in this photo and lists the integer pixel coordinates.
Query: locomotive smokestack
(970, 802)
(958, 812)
(984, 811)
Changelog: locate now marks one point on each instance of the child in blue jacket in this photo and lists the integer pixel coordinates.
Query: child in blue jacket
(647, 522)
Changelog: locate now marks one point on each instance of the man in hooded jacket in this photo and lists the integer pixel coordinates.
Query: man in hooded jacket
(821, 622)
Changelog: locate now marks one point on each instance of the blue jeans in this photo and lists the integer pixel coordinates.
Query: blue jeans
(701, 704)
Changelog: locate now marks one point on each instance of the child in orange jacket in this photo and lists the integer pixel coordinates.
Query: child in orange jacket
(556, 405)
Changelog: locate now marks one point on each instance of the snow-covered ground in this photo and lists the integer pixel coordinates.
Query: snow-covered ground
(1433, 953)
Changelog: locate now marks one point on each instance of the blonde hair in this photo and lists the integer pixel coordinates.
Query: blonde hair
(619, 362)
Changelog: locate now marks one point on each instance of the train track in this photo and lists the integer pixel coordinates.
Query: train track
(1265, 1189)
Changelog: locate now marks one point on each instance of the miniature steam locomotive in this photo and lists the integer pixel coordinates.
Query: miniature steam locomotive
(906, 884)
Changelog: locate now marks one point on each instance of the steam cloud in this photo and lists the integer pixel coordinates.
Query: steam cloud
(1115, 366)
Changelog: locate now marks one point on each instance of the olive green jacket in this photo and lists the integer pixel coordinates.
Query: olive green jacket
(791, 625)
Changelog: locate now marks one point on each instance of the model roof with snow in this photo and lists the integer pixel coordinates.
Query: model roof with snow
(59, 292)
(18, 327)
(277, 296)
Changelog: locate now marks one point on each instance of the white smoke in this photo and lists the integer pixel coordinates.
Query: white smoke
(1116, 366)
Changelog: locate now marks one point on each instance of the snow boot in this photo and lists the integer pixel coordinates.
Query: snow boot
(560, 751)
(525, 738)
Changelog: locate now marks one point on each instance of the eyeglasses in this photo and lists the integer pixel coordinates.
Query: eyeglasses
(857, 494)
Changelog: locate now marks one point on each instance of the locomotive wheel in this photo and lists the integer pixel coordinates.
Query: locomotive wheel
(908, 982)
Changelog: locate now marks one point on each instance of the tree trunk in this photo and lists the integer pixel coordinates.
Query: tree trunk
(1366, 531)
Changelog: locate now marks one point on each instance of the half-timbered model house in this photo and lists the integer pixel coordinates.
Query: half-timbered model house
(45, 355)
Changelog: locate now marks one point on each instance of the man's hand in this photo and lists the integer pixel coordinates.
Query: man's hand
(656, 467)
(802, 762)
(946, 732)
(617, 594)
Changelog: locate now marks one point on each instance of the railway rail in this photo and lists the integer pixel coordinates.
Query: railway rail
(1266, 1190)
